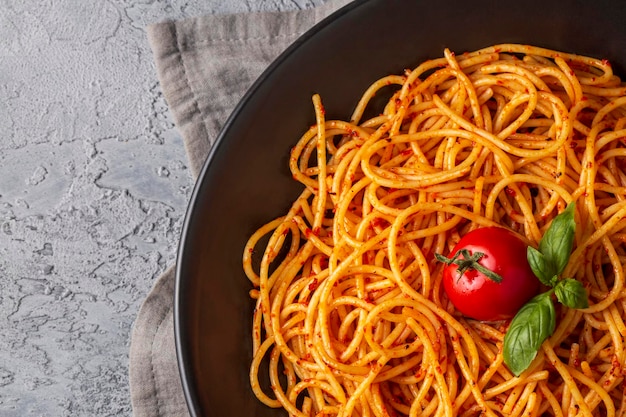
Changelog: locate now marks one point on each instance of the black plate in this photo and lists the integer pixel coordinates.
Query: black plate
(246, 181)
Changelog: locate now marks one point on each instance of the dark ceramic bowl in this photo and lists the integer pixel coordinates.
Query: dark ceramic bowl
(246, 181)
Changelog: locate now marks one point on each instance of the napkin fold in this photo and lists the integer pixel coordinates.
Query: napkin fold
(204, 65)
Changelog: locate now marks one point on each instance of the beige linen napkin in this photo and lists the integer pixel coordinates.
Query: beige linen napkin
(204, 66)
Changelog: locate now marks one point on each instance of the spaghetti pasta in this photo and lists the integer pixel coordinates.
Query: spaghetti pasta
(351, 318)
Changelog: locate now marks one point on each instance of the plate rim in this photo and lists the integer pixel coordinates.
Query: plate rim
(184, 371)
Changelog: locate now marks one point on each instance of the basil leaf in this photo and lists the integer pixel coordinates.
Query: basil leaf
(556, 244)
(541, 267)
(532, 324)
(571, 293)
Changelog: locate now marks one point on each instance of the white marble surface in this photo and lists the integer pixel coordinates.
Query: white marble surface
(93, 192)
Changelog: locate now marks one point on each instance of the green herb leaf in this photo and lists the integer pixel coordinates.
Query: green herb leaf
(556, 244)
(571, 293)
(541, 267)
(532, 324)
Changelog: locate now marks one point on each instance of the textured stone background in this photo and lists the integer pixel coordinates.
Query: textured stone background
(93, 191)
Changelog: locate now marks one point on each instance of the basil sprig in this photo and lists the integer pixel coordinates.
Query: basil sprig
(532, 324)
(554, 248)
(536, 320)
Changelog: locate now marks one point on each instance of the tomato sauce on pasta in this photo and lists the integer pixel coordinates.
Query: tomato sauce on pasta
(351, 318)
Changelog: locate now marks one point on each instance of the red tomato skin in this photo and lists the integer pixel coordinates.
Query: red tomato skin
(479, 297)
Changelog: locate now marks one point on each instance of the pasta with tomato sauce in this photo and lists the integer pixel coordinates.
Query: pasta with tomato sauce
(351, 317)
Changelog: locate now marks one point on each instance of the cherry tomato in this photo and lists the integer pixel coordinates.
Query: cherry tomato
(476, 295)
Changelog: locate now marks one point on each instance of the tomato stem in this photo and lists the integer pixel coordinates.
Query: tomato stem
(469, 262)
